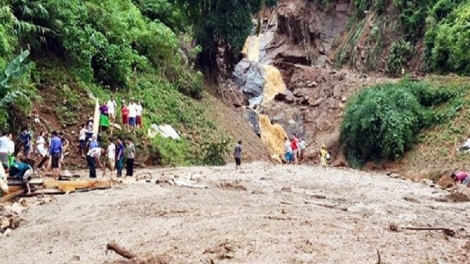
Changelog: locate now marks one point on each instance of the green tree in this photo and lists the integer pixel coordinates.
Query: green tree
(382, 121)
(220, 24)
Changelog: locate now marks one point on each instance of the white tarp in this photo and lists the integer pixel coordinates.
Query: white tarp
(164, 130)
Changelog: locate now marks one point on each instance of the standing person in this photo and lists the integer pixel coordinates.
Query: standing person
(462, 177)
(324, 156)
(132, 114)
(93, 159)
(112, 109)
(119, 157)
(55, 152)
(4, 142)
(237, 154)
(104, 119)
(125, 115)
(82, 140)
(93, 143)
(139, 111)
(288, 149)
(302, 147)
(65, 144)
(295, 149)
(89, 126)
(130, 155)
(26, 140)
(41, 147)
(111, 155)
(11, 150)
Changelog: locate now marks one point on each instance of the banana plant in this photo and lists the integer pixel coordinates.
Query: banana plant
(14, 70)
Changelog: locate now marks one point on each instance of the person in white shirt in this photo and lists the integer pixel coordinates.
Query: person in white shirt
(4, 149)
(112, 109)
(93, 159)
(82, 140)
(302, 147)
(139, 110)
(288, 149)
(41, 145)
(111, 155)
(132, 114)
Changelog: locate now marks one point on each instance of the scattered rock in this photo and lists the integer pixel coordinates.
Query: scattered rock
(411, 200)
(231, 185)
(393, 227)
(223, 250)
(317, 102)
(286, 189)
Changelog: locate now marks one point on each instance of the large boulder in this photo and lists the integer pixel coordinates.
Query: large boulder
(249, 76)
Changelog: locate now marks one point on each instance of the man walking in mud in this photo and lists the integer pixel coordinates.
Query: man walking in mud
(55, 152)
(237, 153)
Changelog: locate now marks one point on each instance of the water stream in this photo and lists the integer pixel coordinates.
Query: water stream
(272, 135)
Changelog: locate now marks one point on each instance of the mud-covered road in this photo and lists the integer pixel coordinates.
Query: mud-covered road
(262, 214)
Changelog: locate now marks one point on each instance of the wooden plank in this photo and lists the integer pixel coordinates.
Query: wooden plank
(33, 181)
(11, 195)
(73, 185)
(96, 118)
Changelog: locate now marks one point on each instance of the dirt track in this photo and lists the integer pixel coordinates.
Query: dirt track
(264, 214)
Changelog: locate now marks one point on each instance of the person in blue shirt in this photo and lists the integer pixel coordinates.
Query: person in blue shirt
(26, 140)
(55, 152)
(22, 171)
(119, 157)
(93, 143)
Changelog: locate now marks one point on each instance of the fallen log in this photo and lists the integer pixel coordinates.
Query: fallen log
(447, 231)
(11, 195)
(119, 250)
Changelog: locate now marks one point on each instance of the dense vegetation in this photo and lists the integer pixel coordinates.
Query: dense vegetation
(383, 121)
(398, 26)
(151, 50)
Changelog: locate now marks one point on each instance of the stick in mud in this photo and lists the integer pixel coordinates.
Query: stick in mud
(119, 250)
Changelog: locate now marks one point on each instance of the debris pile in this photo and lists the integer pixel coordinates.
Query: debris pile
(9, 219)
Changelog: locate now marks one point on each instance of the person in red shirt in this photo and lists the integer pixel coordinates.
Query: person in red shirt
(461, 177)
(125, 115)
(295, 148)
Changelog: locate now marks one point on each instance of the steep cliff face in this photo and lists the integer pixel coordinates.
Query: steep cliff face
(299, 39)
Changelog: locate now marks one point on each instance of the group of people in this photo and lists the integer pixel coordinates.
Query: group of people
(131, 114)
(294, 149)
(115, 153)
(23, 169)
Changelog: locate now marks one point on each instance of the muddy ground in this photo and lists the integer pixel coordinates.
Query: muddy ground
(262, 214)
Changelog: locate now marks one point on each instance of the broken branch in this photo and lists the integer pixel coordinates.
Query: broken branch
(119, 250)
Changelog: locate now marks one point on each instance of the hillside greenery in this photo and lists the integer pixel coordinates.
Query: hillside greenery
(383, 121)
(398, 27)
(156, 51)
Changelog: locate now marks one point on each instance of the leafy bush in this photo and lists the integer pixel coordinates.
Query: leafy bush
(400, 53)
(447, 42)
(382, 122)
(214, 153)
